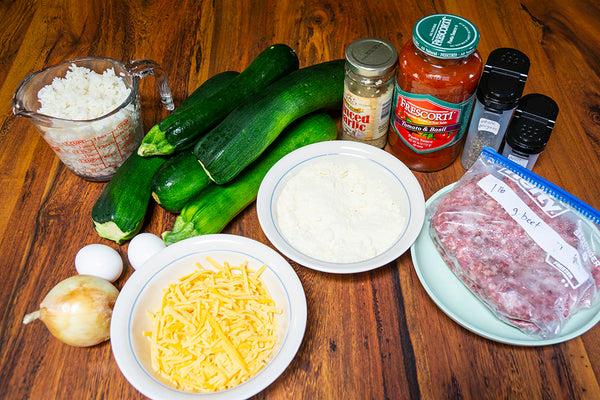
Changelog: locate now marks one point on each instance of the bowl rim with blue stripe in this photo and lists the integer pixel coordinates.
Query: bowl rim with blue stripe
(142, 293)
(403, 184)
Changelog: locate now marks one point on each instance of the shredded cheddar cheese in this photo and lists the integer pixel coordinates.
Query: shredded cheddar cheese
(214, 329)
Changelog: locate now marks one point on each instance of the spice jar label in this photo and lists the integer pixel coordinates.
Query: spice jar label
(366, 117)
(426, 124)
(488, 125)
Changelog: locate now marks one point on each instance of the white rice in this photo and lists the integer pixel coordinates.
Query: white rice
(93, 150)
(83, 94)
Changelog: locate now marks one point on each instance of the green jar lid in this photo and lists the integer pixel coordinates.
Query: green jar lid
(445, 36)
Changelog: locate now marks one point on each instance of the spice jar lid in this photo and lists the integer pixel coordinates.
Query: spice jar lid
(532, 123)
(445, 36)
(503, 79)
(371, 57)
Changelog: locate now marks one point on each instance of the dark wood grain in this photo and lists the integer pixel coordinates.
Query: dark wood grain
(374, 335)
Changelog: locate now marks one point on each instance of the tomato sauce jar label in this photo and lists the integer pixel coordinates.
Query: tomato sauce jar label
(426, 124)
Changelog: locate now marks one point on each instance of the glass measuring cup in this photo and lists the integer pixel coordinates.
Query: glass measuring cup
(92, 148)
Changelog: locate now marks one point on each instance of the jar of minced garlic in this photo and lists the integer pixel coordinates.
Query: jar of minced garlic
(438, 72)
(368, 89)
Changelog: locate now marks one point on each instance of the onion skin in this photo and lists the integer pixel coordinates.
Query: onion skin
(78, 310)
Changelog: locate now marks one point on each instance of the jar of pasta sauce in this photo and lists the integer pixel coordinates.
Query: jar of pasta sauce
(438, 72)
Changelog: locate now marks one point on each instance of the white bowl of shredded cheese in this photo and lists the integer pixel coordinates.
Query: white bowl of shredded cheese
(185, 324)
(341, 207)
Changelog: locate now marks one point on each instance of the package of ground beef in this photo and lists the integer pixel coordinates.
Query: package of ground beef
(526, 248)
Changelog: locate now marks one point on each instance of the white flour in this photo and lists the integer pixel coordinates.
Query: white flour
(338, 212)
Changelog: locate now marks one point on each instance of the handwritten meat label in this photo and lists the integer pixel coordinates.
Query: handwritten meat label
(561, 255)
(547, 203)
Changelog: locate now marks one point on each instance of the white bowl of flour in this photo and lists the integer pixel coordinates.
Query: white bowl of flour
(341, 207)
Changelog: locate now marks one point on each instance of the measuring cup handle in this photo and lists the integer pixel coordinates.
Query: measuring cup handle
(143, 68)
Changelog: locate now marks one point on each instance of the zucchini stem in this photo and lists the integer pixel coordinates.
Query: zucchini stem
(155, 143)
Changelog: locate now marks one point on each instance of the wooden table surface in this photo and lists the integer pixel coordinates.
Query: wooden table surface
(373, 335)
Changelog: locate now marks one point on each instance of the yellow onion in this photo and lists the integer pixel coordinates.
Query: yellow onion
(78, 310)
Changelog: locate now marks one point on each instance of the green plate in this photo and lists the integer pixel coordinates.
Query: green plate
(457, 301)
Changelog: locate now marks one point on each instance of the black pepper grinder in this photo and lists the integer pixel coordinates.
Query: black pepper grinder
(530, 129)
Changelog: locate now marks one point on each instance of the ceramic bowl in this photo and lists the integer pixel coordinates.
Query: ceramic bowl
(143, 292)
(401, 183)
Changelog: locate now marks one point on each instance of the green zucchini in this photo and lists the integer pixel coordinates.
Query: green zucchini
(178, 180)
(208, 88)
(119, 212)
(180, 177)
(214, 207)
(181, 130)
(247, 131)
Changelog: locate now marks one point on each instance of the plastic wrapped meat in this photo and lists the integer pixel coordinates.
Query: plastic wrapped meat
(530, 257)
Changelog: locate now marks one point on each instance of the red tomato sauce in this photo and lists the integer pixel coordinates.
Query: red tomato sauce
(438, 134)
